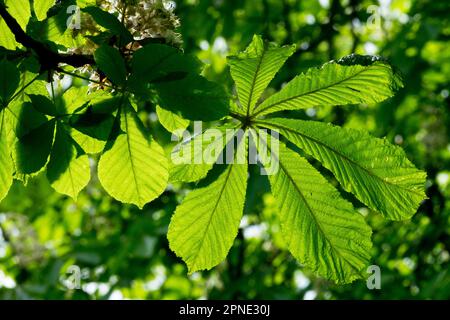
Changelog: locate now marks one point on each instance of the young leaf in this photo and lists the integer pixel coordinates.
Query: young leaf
(111, 63)
(32, 150)
(194, 97)
(171, 121)
(378, 173)
(353, 79)
(67, 172)
(133, 170)
(6, 164)
(204, 226)
(253, 69)
(321, 229)
(9, 81)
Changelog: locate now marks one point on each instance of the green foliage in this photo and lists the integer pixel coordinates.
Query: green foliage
(100, 119)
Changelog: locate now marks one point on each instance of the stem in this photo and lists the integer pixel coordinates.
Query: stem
(84, 78)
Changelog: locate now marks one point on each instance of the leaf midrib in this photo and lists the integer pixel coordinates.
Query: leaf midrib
(213, 211)
(131, 158)
(346, 158)
(309, 92)
(312, 215)
(255, 76)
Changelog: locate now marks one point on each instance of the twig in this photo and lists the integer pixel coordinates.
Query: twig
(48, 58)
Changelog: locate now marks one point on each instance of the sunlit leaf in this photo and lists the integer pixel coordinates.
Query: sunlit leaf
(133, 169)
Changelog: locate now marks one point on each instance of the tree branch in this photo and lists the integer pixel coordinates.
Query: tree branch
(48, 58)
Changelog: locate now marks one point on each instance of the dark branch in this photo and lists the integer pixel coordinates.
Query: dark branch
(48, 58)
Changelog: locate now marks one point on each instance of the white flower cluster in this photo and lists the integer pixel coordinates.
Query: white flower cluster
(143, 18)
(146, 18)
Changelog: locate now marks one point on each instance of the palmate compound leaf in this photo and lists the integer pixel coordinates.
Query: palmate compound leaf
(193, 158)
(378, 173)
(205, 224)
(6, 164)
(321, 229)
(352, 79)
(67, 171)
(253, 69)
(133, 169)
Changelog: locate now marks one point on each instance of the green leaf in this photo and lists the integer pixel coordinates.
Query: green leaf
(156, 61)
(6, 164)
(253, 69)
(32, 150)
(74, 99)
(111, 63)
(111, 23)
(378, 173)
(133, 169)
(7, 38)
(67, 171)
(92, 128)
(89, 144)
(96, 125)
(204, 226)
(20, 10)
(43, 105)
(353, 79)
(321, 229)
(171, 121)
(9, 81)
(41, 8)
(194, 158)
(194, 97)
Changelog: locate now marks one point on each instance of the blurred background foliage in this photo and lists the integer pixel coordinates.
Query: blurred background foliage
(120, 252)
